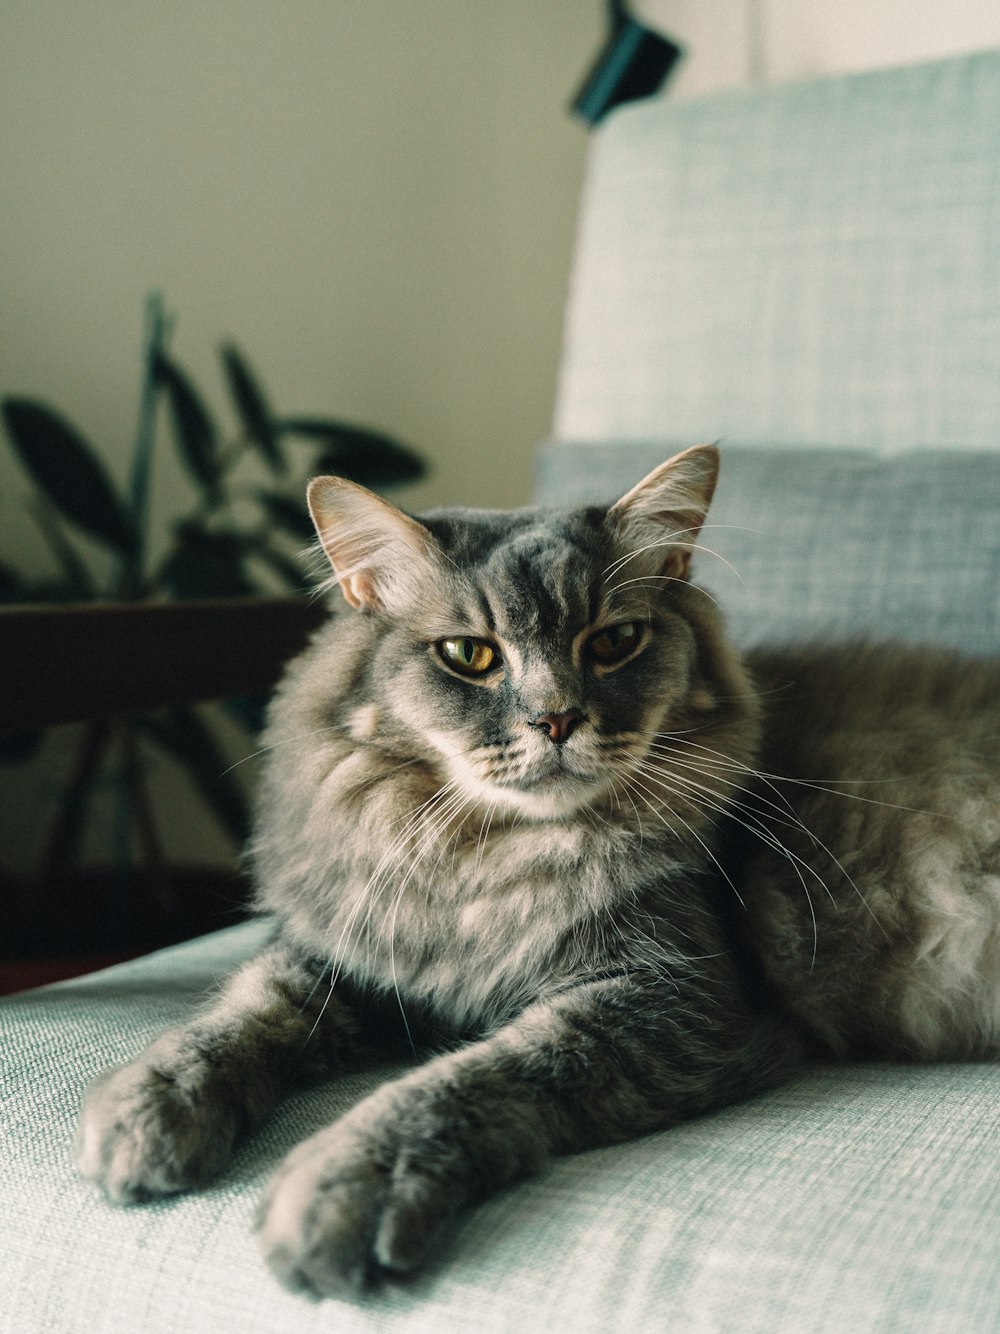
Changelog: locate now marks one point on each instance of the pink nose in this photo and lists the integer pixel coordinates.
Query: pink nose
(558, 726)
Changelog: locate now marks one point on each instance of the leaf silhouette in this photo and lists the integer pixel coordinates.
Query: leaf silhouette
(207, 565)
(17, 746)
(68, 470)
(194, 429)
(250, 711)
(283, 566)
(184, 735)
(363, 455)
(290, 515)
(252, 406)
(11, 583)
(77, 582)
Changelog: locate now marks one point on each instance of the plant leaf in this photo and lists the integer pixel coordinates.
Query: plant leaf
(194, 429)
(250, 711)
(68, 470)
(18, 746)
(284, 566)
(206, 565)
(78, 583)
(355, 452)
(185, 736)
(252, 406)
(288, 514)
(12, 584)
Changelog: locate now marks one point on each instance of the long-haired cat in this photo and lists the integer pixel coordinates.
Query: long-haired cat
(523, 798)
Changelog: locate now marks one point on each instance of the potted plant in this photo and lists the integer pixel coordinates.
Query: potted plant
(243, 535)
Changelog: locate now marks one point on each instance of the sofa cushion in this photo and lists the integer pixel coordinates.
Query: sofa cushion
(794, 265)
(829, 541)
(855, 1198)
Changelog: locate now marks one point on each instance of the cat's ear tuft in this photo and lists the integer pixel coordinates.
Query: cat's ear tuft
(662, 515)
(380, 556)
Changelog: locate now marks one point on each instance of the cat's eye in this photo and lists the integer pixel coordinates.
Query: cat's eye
(615, 643)
(470, 656)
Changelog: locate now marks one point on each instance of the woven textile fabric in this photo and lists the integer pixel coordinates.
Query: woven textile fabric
(861, 1199)
(828, 542)
(794, 265)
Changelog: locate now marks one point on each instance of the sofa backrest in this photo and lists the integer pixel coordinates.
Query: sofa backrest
(809, 264)
(811, 275)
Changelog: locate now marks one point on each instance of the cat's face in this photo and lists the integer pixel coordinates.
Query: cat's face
(535, 654)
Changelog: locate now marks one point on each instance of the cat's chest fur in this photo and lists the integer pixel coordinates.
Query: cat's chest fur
(467, 914)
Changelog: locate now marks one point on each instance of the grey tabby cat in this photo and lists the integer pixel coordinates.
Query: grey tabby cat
(522, 796)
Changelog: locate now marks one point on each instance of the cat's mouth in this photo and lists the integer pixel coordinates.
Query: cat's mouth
(554, 778)
(553, 790)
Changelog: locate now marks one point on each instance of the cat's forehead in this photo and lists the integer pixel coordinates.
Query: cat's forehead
(526, 571)
(517, 538)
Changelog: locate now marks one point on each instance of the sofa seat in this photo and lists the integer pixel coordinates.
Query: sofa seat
(856, 1198)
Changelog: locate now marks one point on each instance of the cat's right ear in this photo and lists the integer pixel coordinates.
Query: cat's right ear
(380, 556)
(661, 517)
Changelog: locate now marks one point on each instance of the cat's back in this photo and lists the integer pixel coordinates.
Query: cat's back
(879, 914)
(815, 691)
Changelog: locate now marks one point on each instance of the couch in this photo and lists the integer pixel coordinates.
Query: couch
(812, 274)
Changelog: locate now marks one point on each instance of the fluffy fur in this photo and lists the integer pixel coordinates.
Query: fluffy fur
(525, 804)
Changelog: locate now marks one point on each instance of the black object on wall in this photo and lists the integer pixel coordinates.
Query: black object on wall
(633, 64)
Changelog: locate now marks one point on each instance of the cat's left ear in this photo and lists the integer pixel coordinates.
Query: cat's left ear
(380, 556)
(663, 514)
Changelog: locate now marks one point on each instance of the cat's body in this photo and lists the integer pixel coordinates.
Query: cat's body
(523, 793)
(891, 947)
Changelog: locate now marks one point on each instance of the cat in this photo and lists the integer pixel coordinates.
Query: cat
(524, 806)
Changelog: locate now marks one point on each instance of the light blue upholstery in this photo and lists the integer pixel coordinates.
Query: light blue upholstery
(805, 543)
(788, 269)
(855, 1200)
(813, 264)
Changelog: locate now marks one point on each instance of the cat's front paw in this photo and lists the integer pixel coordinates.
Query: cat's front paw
(150, 1128)
(348, 1207)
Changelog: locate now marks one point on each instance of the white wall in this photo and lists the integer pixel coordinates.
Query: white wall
(732, 42)
(376, 198)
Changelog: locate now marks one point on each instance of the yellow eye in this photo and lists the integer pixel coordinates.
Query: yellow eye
(615, 643)
(472, 657)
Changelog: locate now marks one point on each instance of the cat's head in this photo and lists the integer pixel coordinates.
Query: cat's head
(535, 655)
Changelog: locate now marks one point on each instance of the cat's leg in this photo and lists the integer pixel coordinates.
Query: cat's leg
(603, 1063)
(168, 1120)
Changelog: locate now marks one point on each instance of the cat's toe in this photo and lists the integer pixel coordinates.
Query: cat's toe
(140, 1136)
(345, 1212)
(317, 1224)
(417, 1210)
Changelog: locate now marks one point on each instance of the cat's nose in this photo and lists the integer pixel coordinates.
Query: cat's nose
(558, 726)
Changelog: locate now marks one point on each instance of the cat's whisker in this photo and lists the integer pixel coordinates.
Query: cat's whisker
(669, 540)
(635, 808)
(433, 835)
(285, 741)
(694, 834)
(646, 579)
(484, 831)
(770, 781)
(373, 889)
(821, 784)
(787, 817)
(766, 836)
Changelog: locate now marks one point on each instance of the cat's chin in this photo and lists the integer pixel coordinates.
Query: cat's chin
(556, 797)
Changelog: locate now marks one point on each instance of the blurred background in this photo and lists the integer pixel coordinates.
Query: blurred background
(375, 200)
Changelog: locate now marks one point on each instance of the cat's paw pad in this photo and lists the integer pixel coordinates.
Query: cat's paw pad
(337, 1218)
(144, 1132)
